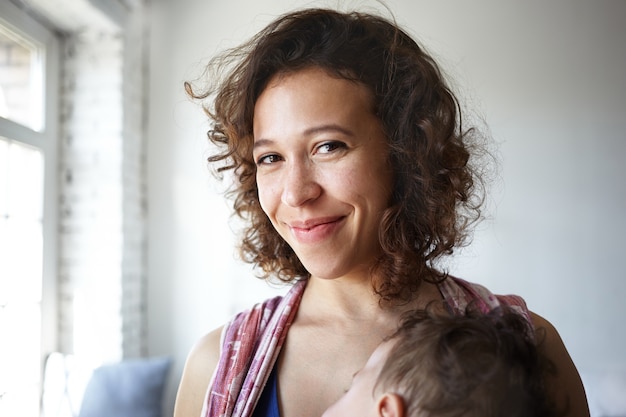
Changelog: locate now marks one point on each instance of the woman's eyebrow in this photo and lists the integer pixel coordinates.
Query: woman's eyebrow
(328, 128)
(258, 143)
(261, 142)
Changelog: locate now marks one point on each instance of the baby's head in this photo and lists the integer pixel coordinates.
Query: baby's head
(436, 365)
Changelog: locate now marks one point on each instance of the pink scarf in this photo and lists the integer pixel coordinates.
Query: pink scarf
(252, 340)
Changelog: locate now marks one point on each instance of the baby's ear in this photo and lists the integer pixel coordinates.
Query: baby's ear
(390, 405)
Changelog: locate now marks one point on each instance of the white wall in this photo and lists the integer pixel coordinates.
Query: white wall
(548, 77)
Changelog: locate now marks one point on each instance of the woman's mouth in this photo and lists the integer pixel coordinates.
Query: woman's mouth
(315, 230)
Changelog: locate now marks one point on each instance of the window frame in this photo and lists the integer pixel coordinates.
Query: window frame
(46, 140)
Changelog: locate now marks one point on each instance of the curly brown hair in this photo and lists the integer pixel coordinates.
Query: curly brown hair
(434, 197)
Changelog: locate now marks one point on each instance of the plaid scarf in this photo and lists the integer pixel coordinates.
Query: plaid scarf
(252, 340)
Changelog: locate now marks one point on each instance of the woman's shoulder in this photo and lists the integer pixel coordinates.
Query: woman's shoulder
(199, 368)
(205, 356)
(260, 313)
(564, 384)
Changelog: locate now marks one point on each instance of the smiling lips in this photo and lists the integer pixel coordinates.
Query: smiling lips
(315, 230)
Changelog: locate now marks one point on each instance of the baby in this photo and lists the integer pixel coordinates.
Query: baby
(478, 365)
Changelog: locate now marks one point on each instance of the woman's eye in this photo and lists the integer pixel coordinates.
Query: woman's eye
(268, 159)
(328, 147)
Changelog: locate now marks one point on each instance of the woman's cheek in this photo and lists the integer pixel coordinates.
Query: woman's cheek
(266, 194)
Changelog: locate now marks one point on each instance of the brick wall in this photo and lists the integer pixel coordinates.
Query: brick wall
(91, 237)
(102, 192)
(134, 192)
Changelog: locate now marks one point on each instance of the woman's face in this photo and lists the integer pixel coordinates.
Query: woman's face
(322, 170)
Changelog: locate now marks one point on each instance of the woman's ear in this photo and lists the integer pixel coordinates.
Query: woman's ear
(390, 405)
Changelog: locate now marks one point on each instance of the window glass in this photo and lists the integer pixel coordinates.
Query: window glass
(21, 245)
(21, 76)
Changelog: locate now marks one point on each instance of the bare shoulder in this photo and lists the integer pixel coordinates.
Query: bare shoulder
(566, 385)
(199, 367)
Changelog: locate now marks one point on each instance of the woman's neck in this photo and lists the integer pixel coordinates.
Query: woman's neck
(354, 301)
(357, 300)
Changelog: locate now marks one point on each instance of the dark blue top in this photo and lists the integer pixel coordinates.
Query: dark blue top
(268, 403)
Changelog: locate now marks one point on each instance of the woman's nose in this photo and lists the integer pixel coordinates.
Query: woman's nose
(300, 185)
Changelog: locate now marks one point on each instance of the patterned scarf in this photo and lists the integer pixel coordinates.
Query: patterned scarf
(252, 340)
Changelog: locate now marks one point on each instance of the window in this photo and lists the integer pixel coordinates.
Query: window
(28, 142)
(21, 66)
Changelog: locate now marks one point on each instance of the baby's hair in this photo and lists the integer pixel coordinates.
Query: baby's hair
(474, 365)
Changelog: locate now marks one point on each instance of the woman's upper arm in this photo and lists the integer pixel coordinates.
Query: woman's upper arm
(565, 385)
(199, 368)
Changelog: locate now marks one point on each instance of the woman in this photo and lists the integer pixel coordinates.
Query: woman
(352, 168)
